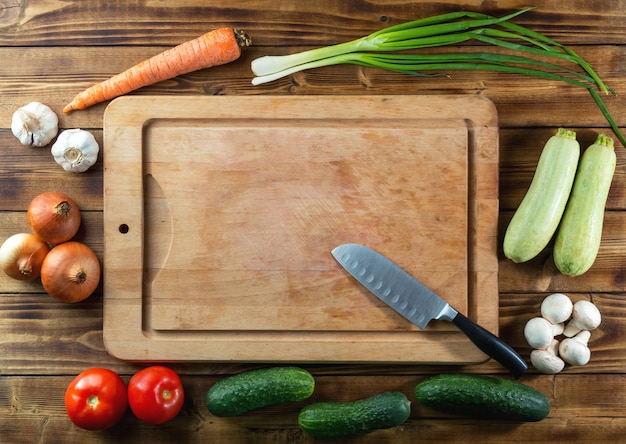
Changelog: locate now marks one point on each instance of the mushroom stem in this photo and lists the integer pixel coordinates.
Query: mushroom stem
(546, 360)
(585, 316)
(574, 350)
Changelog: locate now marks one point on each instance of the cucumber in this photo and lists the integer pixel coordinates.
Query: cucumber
(536, 220)
(483, 397)
(254, 389)
(343, 419)
(578, 238)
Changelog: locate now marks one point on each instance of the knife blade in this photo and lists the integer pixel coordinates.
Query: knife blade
(419, 304)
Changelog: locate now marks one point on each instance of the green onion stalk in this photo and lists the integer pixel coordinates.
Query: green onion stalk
(379, 50)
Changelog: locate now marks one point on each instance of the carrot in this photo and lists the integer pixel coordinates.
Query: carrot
(216, 47)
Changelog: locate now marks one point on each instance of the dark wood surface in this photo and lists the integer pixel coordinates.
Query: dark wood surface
(52, 50)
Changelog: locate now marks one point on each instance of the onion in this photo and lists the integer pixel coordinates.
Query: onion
(54, 217)
(22, 255)
(70, 272)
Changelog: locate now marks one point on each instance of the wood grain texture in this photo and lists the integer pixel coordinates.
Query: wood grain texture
(51, 50)
(576, 414)
(236, 246)
(518, 98)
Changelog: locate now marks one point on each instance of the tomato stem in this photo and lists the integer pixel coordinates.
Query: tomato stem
(92, 401)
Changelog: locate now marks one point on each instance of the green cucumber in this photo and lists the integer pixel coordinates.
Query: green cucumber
(536, 219)
(578, 238)
(254, 389)
(483, 397)
(342, 419)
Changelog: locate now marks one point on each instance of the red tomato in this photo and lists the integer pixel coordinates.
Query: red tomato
(155, 394)
(96, 399)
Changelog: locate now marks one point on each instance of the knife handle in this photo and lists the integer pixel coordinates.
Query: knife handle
(491, 345)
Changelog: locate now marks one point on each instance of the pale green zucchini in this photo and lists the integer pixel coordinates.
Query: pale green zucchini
(538, 215)
(578, 238)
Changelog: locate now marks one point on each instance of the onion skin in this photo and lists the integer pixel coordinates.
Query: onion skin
(70, 272)
(54, 217)
(22, 256)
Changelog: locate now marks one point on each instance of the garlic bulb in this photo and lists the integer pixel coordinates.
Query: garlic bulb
(34, 124)
(75, 150)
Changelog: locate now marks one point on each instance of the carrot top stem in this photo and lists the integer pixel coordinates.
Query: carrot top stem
(243, 39)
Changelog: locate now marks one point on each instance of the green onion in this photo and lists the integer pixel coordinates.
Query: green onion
(454, 28)
(394, 38)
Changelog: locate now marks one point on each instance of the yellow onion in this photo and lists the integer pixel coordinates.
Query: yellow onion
(70, 272)
(54, 217)
(22, 255)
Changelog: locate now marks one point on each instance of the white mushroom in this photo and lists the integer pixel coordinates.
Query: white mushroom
(546, 360)
(574, 350)
(557, 308)
(34, 124)
(75, 150)
(540, 332)
(585, 316)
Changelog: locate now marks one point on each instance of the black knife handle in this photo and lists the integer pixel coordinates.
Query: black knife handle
(492, 345)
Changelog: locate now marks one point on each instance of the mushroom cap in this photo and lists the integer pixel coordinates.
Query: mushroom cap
(574, 350)
(585, 316)
(539, 332)
(557, 308)
(546, 360)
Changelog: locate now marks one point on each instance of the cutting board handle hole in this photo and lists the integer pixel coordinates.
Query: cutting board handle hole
(123, 228)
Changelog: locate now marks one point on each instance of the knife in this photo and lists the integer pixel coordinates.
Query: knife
(418, 303)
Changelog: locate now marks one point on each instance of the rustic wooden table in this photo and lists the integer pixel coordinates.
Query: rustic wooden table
(52, 50)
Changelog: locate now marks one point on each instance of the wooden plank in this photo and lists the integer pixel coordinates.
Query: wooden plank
(537, 275)
(38, 415)
(27, 172)
(54, 49)
(517, 98)
(141, 22)
(37, 325)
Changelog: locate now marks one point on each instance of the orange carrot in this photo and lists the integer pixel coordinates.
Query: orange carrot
(216, 47)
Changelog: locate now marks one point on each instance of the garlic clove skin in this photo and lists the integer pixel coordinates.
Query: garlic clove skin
(76, 150)
(34, 124)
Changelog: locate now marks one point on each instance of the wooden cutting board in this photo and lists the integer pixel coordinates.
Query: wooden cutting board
(220, 214)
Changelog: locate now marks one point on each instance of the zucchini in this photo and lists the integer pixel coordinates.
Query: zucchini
(343, 419)
(483, 397)
(254, 389)
(578, 238)
(538, 215)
